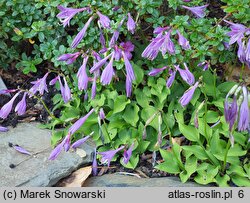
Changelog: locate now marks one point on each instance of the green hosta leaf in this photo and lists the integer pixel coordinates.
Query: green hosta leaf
(139, 74)
(241, 181)
(56, 137)
(148, 112)
(198, 151)
(177, 153)
(190, 132)
(170, 163)
(237, 170)
(205, 129)
(120, 103)
(141, 98)
(222, 181)
(190, 168)
(132, 162)
(205, 177)
(212, 116)
(236, 151)
(98, 101)
(130, 114)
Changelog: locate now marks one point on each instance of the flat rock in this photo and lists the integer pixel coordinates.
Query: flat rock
(35, 170)
(118, 180)
(2, 85)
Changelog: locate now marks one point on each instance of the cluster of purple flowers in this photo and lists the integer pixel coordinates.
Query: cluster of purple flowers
(237, 111)
(240, 34)
(116, 52)
(163, 43)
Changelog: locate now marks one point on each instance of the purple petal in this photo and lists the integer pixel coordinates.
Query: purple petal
(21, 150)
(108, 72)
(187, 96)
(155, 71)
(3, 129)
(81, 34)
(6, 109)
(21, 106)
(131, 24)
(104, 20)
(79, 142)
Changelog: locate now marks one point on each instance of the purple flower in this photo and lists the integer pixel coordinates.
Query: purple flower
(81, 34)
(171, 78)
(128, 86)
(39, 85)
(198, 11)
(153, 48)
(69, 58)
(186, 75)
(102, 114)
(108, 155)
(3, 129)
(65, 91)
(82, 75)
(104, 20)
(21, 150)
(129, 68)
(131, 24)
(6, 109)
(231, 112)
(100, 63)
(155, 71)
(168, 45)
(57, 150)
(243, 122)
(159, 30)
(102, 39)
(183, 42)
(94, 165)
(108, 72)
(93, 88)
(127, 154)
(79, 122)
(127, 47)
(241, 51)
(66, 142)
(53, 81)
(248, 51)
(21, 106)
(187, 96)
(236, 33)
(80, 142)
(67, 14)
(6, 91)
(204, 64)
(117, 53)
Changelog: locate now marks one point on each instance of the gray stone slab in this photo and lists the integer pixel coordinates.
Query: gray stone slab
(37, 171)
(117, 180)
(2, 85)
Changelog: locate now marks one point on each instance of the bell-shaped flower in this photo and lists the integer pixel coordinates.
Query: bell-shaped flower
(21, 106)
(94, 165)
(156, 71)
(54, 80)
(248, 51)
(236, 33)
(243, 122)
(6, 109)
(100, 63)
(79, 122)
(57, 150)
(183, 42)
(171, 78)
(108, 155)
(241, 51)
(231, 112)
(108, 72)
(65, 90)
(188, 95)
(82, 75)
(79, 142)
(127, 47)
(21, 150)
(104, 20)
(186, 75)
(69, 58)
(168, 45)
(66, 14)
(204, 65)
(127, 154)
(78, 38)
(102, 114)
(39, 85)
(131, 24)
(198, 11)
